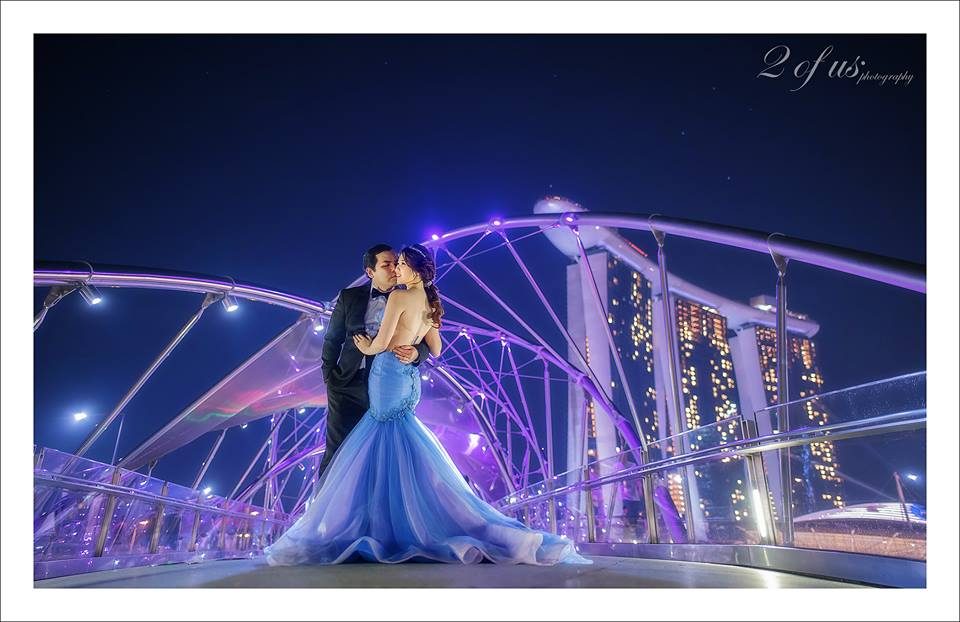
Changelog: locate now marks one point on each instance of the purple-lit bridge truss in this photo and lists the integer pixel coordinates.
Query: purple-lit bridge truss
(509, 397)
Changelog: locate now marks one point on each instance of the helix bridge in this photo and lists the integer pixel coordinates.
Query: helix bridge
(583, 389)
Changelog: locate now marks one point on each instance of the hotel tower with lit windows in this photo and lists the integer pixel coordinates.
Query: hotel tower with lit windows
(726, 368)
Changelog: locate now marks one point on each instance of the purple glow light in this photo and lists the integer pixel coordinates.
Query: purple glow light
(434, 237)
(474, 442)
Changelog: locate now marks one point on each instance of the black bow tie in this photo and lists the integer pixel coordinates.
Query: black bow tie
(374, 293)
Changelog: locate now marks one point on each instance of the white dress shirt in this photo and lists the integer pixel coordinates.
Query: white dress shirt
(373, 318)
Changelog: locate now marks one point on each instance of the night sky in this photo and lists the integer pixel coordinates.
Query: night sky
(277, 159)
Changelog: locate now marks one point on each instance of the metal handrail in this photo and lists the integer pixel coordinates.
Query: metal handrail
(896, 272)
(883, 424)
(105, 275)
(818, 396)
(71, 483)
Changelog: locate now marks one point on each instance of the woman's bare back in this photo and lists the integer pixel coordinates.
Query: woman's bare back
(414, 320)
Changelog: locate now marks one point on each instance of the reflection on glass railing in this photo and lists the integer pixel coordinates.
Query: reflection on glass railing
(858, 488)
(902, 396)
(829, 478)
(602, 504)
(878, 504)
(85, 510)
(860, 491)
(724, 432)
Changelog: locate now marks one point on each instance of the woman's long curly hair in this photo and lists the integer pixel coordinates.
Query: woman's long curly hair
(420, 260)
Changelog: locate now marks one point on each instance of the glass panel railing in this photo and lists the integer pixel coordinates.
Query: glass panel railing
(79, 503)
(857, 484)
(709, 496)
(891, 398)
(620, 514)
(66, 522)
(857, 481)
(723, 432)
(873, 501)
(828, 478)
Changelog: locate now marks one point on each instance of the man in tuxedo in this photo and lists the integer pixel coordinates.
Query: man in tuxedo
(358, 310)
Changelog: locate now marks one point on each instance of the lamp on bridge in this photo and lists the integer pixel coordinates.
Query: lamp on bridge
(230, 303)
(91, 294)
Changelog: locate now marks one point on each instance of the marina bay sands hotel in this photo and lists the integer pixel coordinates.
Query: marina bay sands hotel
(726, 365)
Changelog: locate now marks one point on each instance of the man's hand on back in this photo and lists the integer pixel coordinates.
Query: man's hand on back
(406, 354)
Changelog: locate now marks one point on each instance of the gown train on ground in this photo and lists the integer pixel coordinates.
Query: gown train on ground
(393, 494)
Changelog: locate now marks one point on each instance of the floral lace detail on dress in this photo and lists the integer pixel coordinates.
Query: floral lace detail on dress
(390, 415)
(406, 406)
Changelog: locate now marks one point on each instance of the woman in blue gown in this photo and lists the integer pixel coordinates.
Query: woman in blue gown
(392, 493)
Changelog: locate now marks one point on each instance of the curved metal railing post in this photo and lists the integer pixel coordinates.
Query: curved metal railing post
(653, 531)
(195, 528)
(783, 391)
(107, 518)
(588, 493)
(673, 366)
(55, 295)
(759, 491)
(158, 521)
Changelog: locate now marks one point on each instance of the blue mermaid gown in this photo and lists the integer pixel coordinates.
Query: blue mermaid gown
(393, 494)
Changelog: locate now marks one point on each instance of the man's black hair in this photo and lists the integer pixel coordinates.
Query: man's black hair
(370, 257)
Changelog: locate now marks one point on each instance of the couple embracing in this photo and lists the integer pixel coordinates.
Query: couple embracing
(388, 491)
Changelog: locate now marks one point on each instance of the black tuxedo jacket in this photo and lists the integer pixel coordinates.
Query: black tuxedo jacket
(341, 358)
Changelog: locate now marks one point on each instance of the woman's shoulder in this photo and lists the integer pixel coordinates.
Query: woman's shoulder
(408, 298)
(402, 296)
(409, 294)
